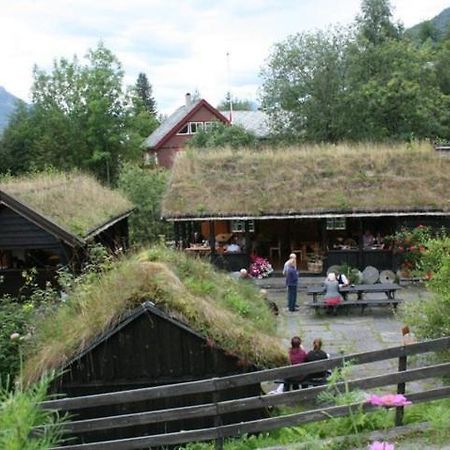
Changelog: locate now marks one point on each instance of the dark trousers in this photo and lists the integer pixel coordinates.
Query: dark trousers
(292, 297)
(288, 384)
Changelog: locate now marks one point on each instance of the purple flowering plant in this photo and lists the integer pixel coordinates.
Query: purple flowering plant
(260, 267)
(389, 400)
(386, 401)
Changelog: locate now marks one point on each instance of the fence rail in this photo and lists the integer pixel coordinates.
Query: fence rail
(217, 409)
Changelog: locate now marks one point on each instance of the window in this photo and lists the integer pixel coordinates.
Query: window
(184, 130)
(196, 127)
(192, 128)
(336, 223)
(238, 226)
(208, 125)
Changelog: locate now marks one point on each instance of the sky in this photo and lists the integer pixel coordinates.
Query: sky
(181, 45)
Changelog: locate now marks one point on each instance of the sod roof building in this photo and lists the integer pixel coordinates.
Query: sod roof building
(47, 221)
(196, 323)
(315, 201)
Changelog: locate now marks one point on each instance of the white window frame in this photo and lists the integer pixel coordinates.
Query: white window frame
(198, 125)
(238, 226)
(336, 223)
(188, 129)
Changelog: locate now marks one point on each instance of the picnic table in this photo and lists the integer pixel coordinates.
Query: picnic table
(388, 289)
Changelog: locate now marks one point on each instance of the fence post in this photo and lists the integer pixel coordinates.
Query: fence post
(218, 443)
(402, 364)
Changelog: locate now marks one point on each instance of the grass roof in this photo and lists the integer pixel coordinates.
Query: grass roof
(74, 201)
(230, 313)
(308, 180)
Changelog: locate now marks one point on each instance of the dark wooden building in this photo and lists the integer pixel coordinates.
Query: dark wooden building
(320, 203)
(45, 226)
(148, 348)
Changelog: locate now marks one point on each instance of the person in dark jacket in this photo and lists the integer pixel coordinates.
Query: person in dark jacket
(316, 354)
(291, 283)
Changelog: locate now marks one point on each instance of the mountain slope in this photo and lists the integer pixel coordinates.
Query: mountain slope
(7, 106)
(440, 22)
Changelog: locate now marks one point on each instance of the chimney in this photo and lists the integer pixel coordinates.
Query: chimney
(188, 99)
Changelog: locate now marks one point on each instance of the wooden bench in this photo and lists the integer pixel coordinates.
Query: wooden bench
(388, 289)
(306, 382)
(363, 303)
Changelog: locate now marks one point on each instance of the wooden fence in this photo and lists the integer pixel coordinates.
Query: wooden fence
(218, 432)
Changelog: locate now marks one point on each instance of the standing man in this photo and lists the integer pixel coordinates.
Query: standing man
(291, 284)
(292, 257)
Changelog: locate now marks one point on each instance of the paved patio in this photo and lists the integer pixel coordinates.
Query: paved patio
(378, 328)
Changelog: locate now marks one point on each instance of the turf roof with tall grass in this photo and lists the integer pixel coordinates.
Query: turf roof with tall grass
(74, 201)
(308, 180)
(231, 314)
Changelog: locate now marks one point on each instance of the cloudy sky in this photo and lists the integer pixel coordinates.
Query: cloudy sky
(180, 44)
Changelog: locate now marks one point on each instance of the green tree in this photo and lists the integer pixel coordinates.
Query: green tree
(375, 24)
(238, 104)
(144, 92)
(304, 85)
(16, 142)
(392, 86)
(142, 116)
(79, 118)
(393, 93)
(222, 135)
(441, 64)
(428, 31)
(366, 84)
(145, 188)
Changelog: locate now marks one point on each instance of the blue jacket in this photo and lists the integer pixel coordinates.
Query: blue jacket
(291, 276)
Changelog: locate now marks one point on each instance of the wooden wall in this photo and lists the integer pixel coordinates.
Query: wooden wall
(151, 351)
(16, 232)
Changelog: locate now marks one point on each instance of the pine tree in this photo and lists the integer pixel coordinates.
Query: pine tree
(144, 92)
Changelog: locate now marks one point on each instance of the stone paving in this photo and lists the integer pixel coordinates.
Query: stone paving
(378, 328)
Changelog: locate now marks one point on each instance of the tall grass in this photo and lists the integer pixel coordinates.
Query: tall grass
(24, 425)
(308, 179)
(73, 200)
(230, 313)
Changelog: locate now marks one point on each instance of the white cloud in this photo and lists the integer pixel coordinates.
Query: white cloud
(180, 44)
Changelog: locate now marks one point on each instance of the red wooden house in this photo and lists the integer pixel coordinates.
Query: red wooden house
(178, 128)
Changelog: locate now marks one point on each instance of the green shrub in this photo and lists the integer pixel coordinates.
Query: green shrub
(145, 188)
(20, 414)
(434, 256)
(429, 318)
(14, 318)
(352, 273)
(221, 135)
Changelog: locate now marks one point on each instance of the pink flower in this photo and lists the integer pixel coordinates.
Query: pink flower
(378, 445)
(389, 400)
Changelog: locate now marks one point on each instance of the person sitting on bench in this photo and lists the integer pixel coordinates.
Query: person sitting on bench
(332, 296)
(296, 356)
(316, 354)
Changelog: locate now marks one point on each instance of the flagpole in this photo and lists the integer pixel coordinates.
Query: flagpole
(230, 97)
